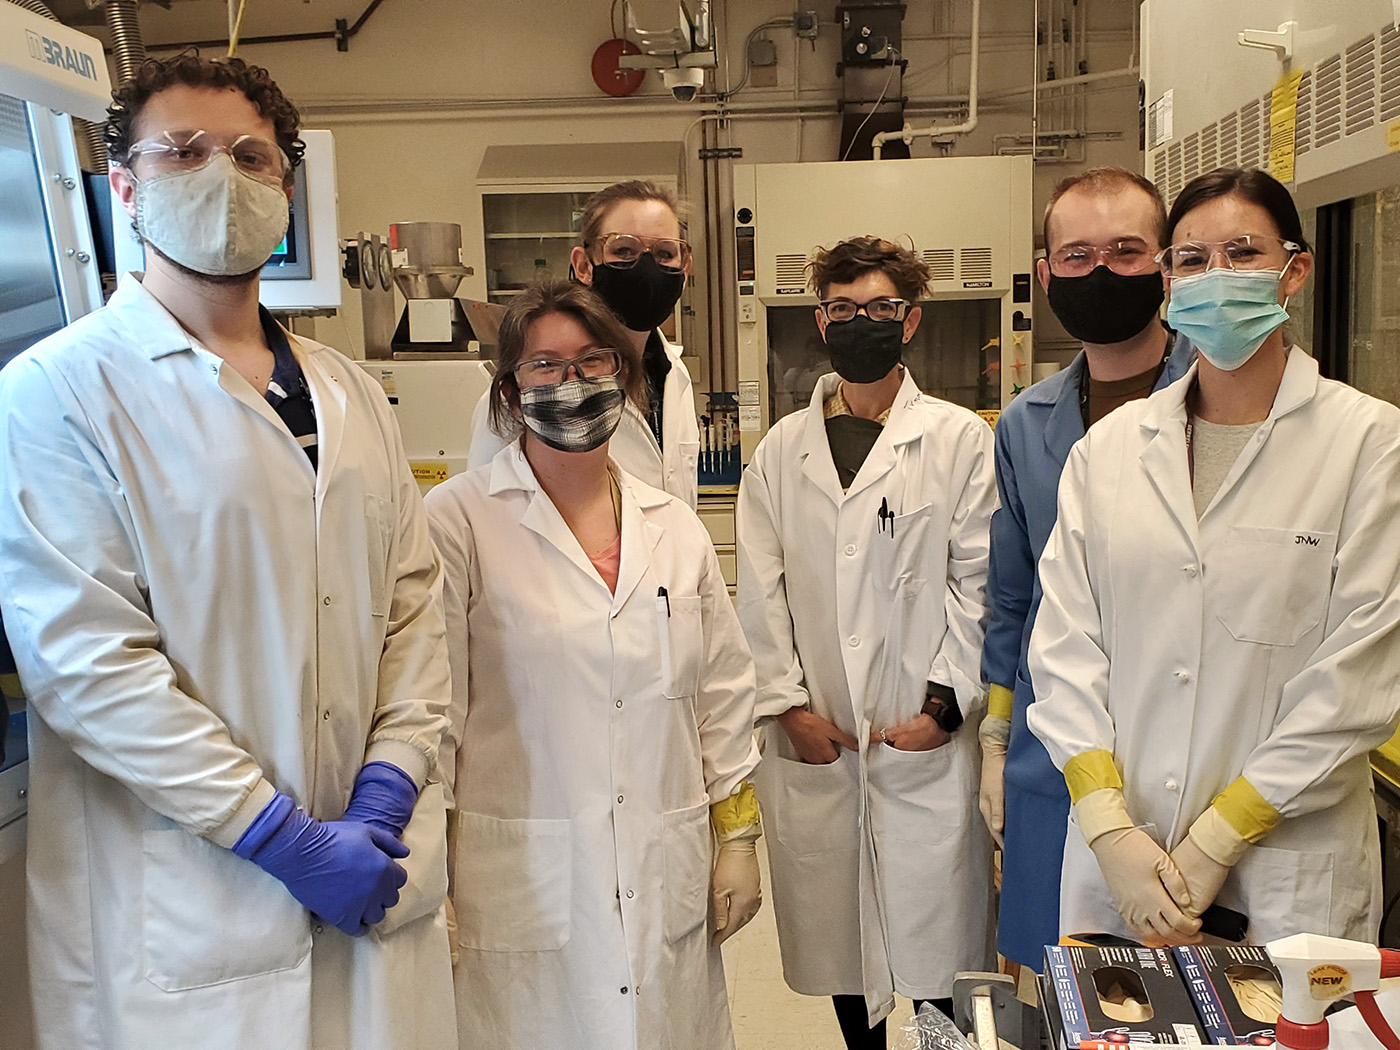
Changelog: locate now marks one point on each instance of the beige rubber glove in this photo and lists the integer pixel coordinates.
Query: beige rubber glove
(991, 798)
(735, 891)
(1146, 886)
(1202, 875)
(452, 933)
(1205, 856)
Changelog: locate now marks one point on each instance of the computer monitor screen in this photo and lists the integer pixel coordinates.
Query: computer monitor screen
(304, 272)
(292, 259)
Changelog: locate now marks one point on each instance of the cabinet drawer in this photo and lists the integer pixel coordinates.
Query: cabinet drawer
(718, 520)
(729, 567)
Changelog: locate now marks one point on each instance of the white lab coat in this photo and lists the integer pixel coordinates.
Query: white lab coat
(592, 731)
(881, 864)
(198, 618)
(633, 445)
(1260, 641)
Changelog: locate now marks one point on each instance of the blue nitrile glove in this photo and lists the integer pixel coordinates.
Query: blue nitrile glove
(342, 871)
(384, 795)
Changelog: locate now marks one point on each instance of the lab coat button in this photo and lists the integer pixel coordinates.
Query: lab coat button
(1171, 785)
(619, 703)
(630, 895)
(326, 600)
(320, 929)
(623, 989)
(853, 641)
(619, 800)
(850, 550)
(1184, 676)
(325, 716)
(1190, 570)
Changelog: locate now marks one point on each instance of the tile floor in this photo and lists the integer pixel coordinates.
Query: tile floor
(768, 1015)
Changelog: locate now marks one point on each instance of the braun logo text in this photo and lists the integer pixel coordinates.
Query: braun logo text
(52, 53)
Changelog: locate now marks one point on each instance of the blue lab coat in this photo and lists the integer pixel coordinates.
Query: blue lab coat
(1033, 439)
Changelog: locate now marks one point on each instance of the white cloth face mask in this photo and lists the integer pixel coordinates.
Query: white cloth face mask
(214, 220)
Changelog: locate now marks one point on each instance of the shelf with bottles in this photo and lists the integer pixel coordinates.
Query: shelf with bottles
(528, 237)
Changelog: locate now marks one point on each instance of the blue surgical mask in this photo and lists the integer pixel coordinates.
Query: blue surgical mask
(1227, 313)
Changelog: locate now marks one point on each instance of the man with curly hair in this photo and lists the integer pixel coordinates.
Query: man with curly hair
(226, 612)
(862, 527)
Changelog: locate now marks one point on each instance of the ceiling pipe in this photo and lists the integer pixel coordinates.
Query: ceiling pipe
(1086, 78)
(908, 134)
(341, 34)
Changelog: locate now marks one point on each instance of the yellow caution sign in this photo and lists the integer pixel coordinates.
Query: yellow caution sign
(428, 472)
(990, 415)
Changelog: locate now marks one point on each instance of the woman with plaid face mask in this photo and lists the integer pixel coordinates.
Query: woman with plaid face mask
(600, 745)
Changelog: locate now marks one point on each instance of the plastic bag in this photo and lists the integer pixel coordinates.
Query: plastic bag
(930, 1029)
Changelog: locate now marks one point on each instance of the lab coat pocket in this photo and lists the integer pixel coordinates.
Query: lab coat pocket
(814, 807)
(685, 844)
(682, 643)
(209, 917)
(426, 863)
(1285, 891)
(380, 519)
(898, 551)
(1270, 586)
(916, 796)
(512, 883)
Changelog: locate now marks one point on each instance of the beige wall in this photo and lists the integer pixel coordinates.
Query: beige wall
(428, 84)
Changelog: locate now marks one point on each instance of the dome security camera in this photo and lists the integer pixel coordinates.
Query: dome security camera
(683, 81)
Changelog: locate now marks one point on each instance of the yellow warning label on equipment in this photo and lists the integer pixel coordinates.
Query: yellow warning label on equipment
(427, 472)
(990, 415)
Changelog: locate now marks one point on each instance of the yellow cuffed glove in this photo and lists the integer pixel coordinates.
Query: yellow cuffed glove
(735, 891)
(1238, 817)
(994, 734)
(1147, 888)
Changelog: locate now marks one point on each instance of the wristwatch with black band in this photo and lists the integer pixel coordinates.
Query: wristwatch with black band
(941, 704)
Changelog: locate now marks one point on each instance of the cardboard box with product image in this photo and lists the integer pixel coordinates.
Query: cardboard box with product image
(1116, 995)
(1236, 990)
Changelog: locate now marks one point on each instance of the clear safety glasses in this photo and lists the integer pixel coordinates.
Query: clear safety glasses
(839, 311)
(176, 151)
(1127, 258)
(546, 371)
(1248, 251)
(621, 251)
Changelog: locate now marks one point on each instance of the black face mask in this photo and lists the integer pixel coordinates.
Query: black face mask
(864, 351)
(643, 295)
(1105, 307)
